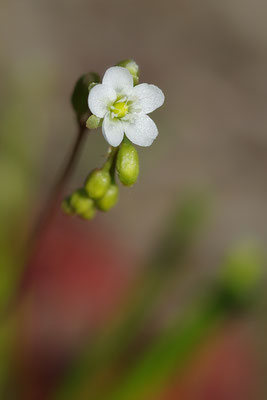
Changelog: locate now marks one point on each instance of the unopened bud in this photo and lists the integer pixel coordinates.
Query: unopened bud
(97, 183)
(88, 214)
(109, 199)
(80, 202)
(127, 164)
(132, 67)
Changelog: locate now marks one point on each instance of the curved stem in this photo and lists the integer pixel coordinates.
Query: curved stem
(56, 193)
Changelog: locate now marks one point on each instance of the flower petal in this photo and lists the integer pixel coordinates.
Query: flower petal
(118, 78)
(100, 97)
(142, 131)
(150, 97)
(112, 131)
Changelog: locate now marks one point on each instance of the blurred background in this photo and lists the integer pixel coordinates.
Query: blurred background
(160, 253)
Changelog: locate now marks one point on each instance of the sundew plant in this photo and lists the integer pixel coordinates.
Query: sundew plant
(146, 345)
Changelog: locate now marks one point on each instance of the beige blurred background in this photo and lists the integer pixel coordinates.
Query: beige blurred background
(210, 59)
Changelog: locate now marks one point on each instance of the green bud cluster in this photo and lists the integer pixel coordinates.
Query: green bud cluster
(100, 190)
(78, 203)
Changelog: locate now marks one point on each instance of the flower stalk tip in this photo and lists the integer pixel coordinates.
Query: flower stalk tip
(120, 105)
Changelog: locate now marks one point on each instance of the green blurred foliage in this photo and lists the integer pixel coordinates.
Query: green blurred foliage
(22, 123)
(131, 372)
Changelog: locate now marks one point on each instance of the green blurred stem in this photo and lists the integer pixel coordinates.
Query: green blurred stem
(56, 193)
(231, 294)
(47, 214)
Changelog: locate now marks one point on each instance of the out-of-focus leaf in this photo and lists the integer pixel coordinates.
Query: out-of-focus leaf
(241, 273)
(7, 335)
(179, 231)
(175, 346)
(169, 353)
(168, 256)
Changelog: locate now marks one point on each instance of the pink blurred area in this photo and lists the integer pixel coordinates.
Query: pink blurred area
(75, 287)
(226, 368)
(74, 283)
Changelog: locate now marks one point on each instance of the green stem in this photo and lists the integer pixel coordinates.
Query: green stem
(110, 164)
(56, 194)
(110, 160)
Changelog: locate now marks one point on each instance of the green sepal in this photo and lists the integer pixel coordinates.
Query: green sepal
(93, 122)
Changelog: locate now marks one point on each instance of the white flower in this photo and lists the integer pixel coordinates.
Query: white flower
(125, 107)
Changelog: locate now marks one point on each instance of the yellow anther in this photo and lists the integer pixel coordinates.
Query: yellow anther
(120, 109)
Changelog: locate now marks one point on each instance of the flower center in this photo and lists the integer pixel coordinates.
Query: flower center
(120, 109)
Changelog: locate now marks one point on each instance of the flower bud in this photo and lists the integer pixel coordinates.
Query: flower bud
(109, 199)
(93, 122)
(66, 207)
(88, 214)
(79, 98)
(132, 67)
(97, 183)
(81, 203)
(127, 164)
